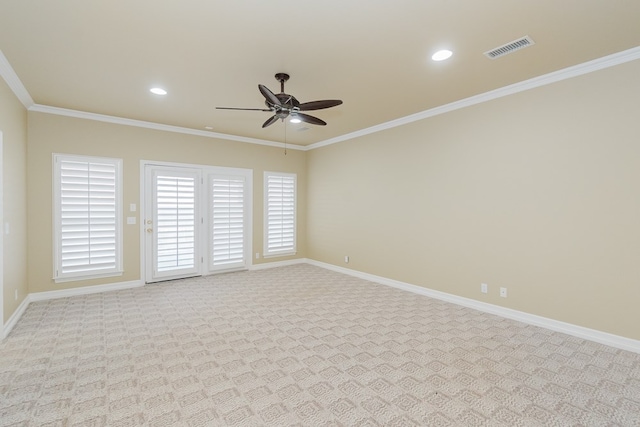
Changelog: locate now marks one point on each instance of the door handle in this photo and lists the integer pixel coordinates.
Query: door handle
(149, 230)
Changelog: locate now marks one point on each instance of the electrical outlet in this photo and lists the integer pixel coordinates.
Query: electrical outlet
(503, 292)
(484, 288)
(257, 255)
(346, 259)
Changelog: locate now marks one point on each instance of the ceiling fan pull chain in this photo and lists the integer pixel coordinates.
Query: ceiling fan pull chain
(285, 137)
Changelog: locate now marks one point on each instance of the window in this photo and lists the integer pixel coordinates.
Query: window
(228, 218)
(87, 217)
(176, 212)
(279, 214)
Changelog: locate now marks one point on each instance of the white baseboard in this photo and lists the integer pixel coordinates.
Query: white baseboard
(275, 264)
(554, 325)
(84, 290)
(63, 293)
(531, 319)
(13, 320)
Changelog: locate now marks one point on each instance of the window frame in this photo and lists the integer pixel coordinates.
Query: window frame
(117, 270)
(289, 250)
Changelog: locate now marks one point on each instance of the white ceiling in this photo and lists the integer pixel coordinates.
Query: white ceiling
(102, 56)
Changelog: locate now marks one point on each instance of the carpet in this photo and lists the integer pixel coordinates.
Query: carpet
(300, 346)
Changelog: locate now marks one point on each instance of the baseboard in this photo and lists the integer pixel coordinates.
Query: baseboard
(275, 264)
(84, 290)
(63, 293)
(555, 325)
(531, 319)
(13, 320)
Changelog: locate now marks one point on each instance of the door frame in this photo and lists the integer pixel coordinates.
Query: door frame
(2, 237)
(204, 206)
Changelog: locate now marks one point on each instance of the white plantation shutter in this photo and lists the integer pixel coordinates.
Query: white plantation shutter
(175, 222)
(227, 221)
(87, 232)
(280, 214)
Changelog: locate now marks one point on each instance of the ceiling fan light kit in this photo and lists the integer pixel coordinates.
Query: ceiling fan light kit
(283, 105)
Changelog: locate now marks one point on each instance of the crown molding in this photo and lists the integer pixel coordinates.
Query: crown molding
(14, 83)
(546, 79)
(9, 75)
(156, 126)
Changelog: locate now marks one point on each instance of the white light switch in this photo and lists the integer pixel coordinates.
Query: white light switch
(131, 220)
(132, 207)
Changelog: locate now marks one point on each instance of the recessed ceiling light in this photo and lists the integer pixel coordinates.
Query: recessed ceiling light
(158, 91)
(208, 128)
(441, 55)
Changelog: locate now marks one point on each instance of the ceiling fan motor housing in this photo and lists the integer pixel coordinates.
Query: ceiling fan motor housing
(288, 102)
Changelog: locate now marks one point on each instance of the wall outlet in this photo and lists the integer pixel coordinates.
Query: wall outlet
(484, 288)
(346, 259)
(257, 255)
(503, 292)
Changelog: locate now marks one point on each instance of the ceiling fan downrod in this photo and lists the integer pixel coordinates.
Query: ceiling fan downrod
(282, 77)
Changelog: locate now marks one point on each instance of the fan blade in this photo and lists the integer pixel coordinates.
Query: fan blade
(319, 105)
(269, 96)
(245, 109)
(271, 120)
(310, 119)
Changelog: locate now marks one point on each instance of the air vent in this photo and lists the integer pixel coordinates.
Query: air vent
(510, 47)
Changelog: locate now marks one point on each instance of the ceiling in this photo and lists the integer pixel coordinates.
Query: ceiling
(103, 56)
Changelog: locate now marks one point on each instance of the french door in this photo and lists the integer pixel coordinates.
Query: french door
(172, 224)
(197, 220)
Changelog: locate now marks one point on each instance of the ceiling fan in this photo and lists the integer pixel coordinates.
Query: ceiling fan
(283, 105)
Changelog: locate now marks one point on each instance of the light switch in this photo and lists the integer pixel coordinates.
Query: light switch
(131, 220)
(132, 207)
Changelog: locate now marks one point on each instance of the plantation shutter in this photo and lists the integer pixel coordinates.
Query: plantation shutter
(280, 214)
(227, 221)
(175, 211)
(87, 229)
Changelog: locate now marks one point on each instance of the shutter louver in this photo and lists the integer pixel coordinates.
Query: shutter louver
(227, 222)
(280, 215)
(175, 222)
(88, 228)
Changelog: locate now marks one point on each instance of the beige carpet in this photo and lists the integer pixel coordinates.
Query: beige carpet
(300, 346)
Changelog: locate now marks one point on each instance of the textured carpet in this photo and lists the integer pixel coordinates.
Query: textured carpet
(300, 345)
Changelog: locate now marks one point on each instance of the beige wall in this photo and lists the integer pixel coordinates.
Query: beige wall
(57, 134)
(13, 124)
(538, 192)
